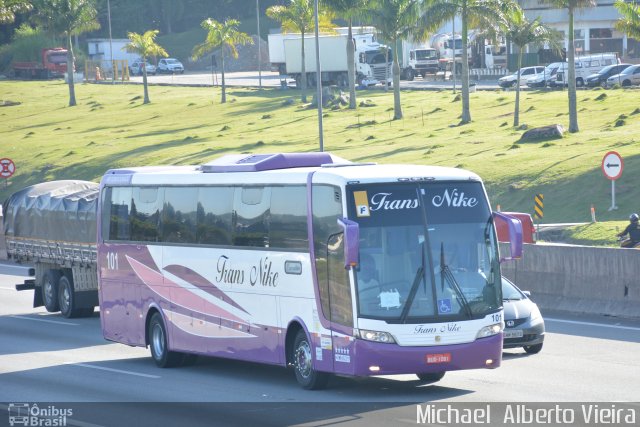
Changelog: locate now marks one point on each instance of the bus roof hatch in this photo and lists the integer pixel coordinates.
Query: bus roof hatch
(264, 162)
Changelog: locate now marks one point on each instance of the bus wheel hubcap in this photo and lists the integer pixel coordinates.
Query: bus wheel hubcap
(303, 359)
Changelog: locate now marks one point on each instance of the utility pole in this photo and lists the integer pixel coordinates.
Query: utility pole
(113, 74)
(318, 80)
(259, 47)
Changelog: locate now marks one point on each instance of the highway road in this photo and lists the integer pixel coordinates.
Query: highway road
(47, 358)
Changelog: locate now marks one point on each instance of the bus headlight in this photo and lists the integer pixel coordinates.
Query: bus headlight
(375, 336)
(489, 330)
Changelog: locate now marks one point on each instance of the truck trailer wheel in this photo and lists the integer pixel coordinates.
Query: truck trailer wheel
(67, 300)
(50, 290)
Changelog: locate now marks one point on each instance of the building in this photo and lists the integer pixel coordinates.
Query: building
(100, 51)
(594, 30)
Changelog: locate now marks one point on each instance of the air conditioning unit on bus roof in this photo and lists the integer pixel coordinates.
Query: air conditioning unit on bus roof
(264, 162)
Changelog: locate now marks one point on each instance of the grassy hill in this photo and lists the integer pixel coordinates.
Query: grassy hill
(111, 127)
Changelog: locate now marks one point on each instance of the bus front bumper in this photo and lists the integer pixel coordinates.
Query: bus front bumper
(374, 358)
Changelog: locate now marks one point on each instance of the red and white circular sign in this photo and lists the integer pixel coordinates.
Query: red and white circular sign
(7, 168)
(612, 165)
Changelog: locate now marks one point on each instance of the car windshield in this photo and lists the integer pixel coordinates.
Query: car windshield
(427, 252)
(172, 61)
(606, 69)
(510, 292)
(629, 70)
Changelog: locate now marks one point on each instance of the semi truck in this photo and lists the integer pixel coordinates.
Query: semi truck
(53, 63)
(418, 60)
(52, 226)
(372, 64)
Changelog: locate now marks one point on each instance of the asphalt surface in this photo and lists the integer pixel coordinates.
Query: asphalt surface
(47, 358)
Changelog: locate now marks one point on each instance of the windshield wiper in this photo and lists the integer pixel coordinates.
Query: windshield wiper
(447, 275)
(412, 295)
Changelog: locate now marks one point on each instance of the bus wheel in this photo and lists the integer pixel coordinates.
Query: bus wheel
(533, 349)
(431, 377)
(158, 343)
(50, 290)
(307, 377)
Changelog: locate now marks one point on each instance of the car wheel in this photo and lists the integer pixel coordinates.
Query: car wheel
(513, 83)
(302, 359)
(431, 377)
(626, 83)
(533, 349)
(159, 344)
(579, 82)
(50, 290)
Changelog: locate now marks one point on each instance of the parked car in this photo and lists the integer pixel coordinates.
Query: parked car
(600, 78)
(526, 74)
(544, 79)
(528, 229)
(170, 65)
(630, 76)
(524, 325)
(136, 67)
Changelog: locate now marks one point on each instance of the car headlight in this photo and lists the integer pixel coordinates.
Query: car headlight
(535, 313)
(375, 336)
(489, 330)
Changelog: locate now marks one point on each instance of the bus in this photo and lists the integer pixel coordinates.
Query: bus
(304, 260)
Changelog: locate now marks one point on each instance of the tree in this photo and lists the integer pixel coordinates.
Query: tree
(349, 9)
(9, 8)
(629, 21)
(488, 15)
(145, 46)
(69, 17)
(523, 32)
(397, 20)
(298, 16)
(571, 6)
(223, 36)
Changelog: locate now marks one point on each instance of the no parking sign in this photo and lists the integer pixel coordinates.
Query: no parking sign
(7, 168)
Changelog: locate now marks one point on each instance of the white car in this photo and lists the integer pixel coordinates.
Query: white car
(544, 79)
(136, 67)
(526, 74)
(171, 66)
(630, 76)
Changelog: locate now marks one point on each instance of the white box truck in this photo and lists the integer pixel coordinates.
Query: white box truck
(418, 60)
(369, 57)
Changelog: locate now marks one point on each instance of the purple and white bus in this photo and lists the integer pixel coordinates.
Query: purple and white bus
(303, 260)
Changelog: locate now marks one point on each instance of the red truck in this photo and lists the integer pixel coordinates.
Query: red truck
(53, 64)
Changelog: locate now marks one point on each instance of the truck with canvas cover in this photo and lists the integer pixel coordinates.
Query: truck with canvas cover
(52, 225)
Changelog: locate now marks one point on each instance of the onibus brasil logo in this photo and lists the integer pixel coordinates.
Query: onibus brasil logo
(25, 414)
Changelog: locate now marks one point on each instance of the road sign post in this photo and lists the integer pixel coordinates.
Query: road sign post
(612, 167)
(7, 168)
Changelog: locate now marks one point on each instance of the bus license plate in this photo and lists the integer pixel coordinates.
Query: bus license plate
(516, 333)
(438, 358)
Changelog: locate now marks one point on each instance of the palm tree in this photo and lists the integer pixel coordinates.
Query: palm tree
(349, 9)
(396, 20)
(69, 17)
(488, 15)
(571, 6)
(629, 22)
(221, 35)
(9, 8)
(523, 32)
(145, 46)
(298, 16)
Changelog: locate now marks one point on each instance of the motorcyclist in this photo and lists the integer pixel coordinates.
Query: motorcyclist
(633, 231)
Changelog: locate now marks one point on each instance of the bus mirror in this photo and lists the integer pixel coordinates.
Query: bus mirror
(515, 234)
(351, 231)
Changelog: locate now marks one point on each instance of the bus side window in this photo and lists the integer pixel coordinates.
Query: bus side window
(251, 216)
(118, 201)
(288, 218)
(146, 205)
(179, 215)
(213, 215)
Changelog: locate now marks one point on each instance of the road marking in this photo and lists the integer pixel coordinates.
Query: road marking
(575, 322)
(102, 368)
(45, 320)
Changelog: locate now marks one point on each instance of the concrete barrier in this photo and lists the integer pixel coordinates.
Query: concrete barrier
(580, 279)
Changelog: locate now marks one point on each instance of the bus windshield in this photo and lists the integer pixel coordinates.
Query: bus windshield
(427, 252)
